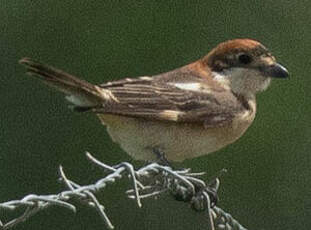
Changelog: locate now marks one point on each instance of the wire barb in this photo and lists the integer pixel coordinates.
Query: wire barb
(152, 180)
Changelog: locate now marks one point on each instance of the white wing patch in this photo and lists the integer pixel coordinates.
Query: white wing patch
(192, 86)
(170, 114)
(188, 86)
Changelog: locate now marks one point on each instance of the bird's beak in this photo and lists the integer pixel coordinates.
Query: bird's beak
(276, 71)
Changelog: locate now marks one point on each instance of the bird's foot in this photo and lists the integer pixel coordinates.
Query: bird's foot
(198, 199)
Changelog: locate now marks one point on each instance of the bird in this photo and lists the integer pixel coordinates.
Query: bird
(185, 113)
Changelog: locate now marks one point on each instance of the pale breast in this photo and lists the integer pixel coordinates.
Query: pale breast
(179, 141)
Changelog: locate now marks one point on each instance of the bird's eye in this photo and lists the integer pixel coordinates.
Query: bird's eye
(245, 59)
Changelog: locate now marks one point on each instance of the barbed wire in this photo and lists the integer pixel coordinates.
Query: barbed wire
(149, 181)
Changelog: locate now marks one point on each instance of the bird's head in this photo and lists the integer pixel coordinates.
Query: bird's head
(243, 65)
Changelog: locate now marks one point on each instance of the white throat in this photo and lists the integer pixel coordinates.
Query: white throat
(242, 80)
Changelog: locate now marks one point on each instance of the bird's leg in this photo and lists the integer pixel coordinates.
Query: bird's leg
(160, 155)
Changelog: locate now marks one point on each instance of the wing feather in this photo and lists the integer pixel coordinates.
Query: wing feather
(153, 98)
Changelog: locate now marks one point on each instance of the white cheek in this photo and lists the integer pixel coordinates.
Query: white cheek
(235, 72)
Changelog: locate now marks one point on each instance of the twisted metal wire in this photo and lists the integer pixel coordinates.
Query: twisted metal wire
(149, 181)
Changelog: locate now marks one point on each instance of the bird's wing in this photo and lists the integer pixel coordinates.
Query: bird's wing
(179, 96)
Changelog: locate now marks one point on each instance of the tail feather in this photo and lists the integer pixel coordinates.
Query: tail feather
(79, 92)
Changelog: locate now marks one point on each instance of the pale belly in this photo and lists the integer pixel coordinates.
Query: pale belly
(178, 142)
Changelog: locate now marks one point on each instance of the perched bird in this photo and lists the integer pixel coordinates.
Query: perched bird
(185, 113)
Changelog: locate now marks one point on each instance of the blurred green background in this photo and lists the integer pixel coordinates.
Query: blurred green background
(268, 181)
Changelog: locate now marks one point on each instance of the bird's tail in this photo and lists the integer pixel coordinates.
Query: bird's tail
(82, 94)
